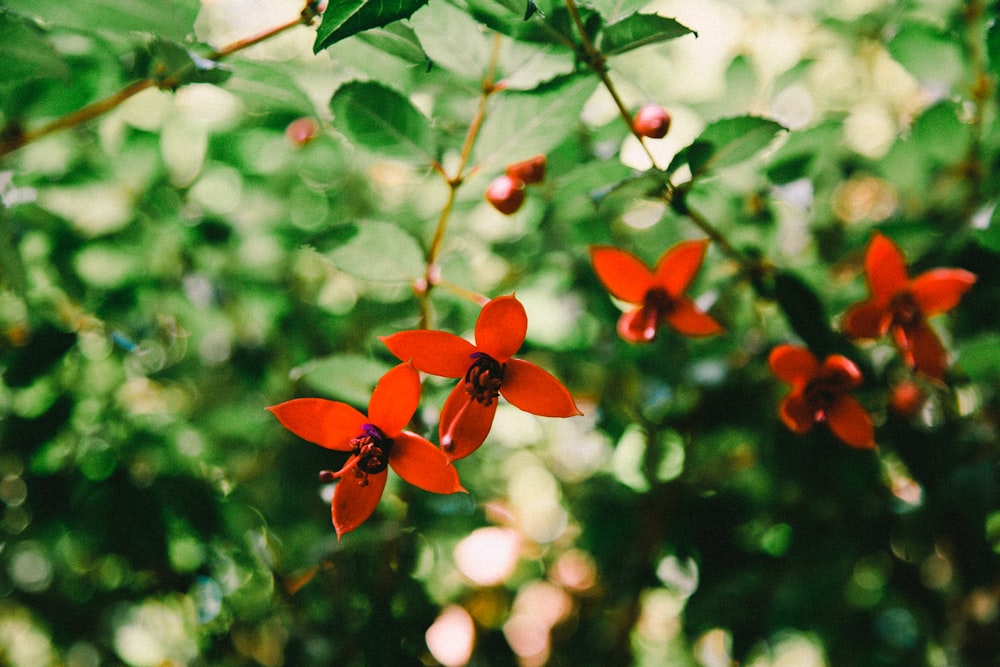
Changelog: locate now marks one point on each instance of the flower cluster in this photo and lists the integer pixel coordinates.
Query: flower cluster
(486, 370)
(820, 391)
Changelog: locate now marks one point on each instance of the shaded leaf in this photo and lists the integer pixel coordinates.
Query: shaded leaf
(46, 347)
(547, 25)
(25, 53)
(345, 18)
(174, 65)
(382, 120)
(805, 312)
(522, 125)
(380, 252)
(727, 142)
(636, 30)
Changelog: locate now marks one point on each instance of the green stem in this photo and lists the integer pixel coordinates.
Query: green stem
(431, 272)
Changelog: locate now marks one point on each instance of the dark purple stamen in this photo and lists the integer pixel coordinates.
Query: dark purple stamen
(484, 377)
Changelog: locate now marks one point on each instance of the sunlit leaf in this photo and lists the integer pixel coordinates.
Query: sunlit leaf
(397, 39)
(349, 17)
(382, 120)
(344, 377)
(170, 19)
(520, 125)
(727, 142)
(380, 252)
(25, 53)
(637, 30)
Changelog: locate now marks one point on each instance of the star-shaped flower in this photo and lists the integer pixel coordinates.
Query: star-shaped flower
(820, 393)
(658, 293)
(901, 305)
(487, 369)
(376, 442)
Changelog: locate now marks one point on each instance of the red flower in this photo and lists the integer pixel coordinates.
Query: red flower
(659, 294)
(487, 369)
(376, 442)
(820, 393)
(901, 305)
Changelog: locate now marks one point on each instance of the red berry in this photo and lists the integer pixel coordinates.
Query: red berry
(506, 194)
(907, 399)
(531, 170)
(301, 131)
(651, 121)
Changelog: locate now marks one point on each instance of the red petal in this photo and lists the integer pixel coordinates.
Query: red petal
(929, 355)
(678, 266)
(685, 318)
(885, 267)
(796, 413)
(434, 352)
(793, 364)
(624, 275)
(637, 326)
(940, 290)
(869, 319)
(354, 503)
(534, 390)
(395, 399)
(501, 328)
(423, 465)
(464, 423)
(840, 365)
(851, 423)
(329, 424)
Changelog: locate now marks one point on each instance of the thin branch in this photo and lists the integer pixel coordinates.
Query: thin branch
(18, 140)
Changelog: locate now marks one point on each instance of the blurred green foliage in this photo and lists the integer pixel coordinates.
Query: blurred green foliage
(182, 260)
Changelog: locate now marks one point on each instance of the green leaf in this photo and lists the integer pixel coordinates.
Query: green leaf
(453, 40)
(547, 26)
(269, 86)
(382, 120)
(25, 53)
(346, 377)
(980, 358)
(613, 10)
(398, 40)
(380, 252)
(989, 237)
(940, 133)
(727, 142)
(928, 53)
(344, 18)
(169, 19)
(636, 30)
(521, 125)
(174, 65)
(805, 313)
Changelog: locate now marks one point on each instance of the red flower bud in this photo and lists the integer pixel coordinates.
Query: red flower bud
(506, 194)
(651, 121)
(531, 170)
(301, 131)
(906, 399)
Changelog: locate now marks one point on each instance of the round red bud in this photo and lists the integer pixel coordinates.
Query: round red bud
(906, 399)
(506, 194)
(651, 121)
(301, 131)
(531, 170)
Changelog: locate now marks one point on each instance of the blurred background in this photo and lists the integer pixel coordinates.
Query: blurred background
(192, 256)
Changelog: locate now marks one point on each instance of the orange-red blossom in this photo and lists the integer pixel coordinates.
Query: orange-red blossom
(376, 442)
(487, 369)
(820, 393)
(658, 293)
(900, 305)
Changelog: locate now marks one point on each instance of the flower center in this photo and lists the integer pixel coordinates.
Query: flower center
(823, 391)
(659, 302)
(484, 377)
(905, 310)
(372, 449)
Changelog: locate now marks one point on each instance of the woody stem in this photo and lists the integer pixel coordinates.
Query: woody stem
(598, 63)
